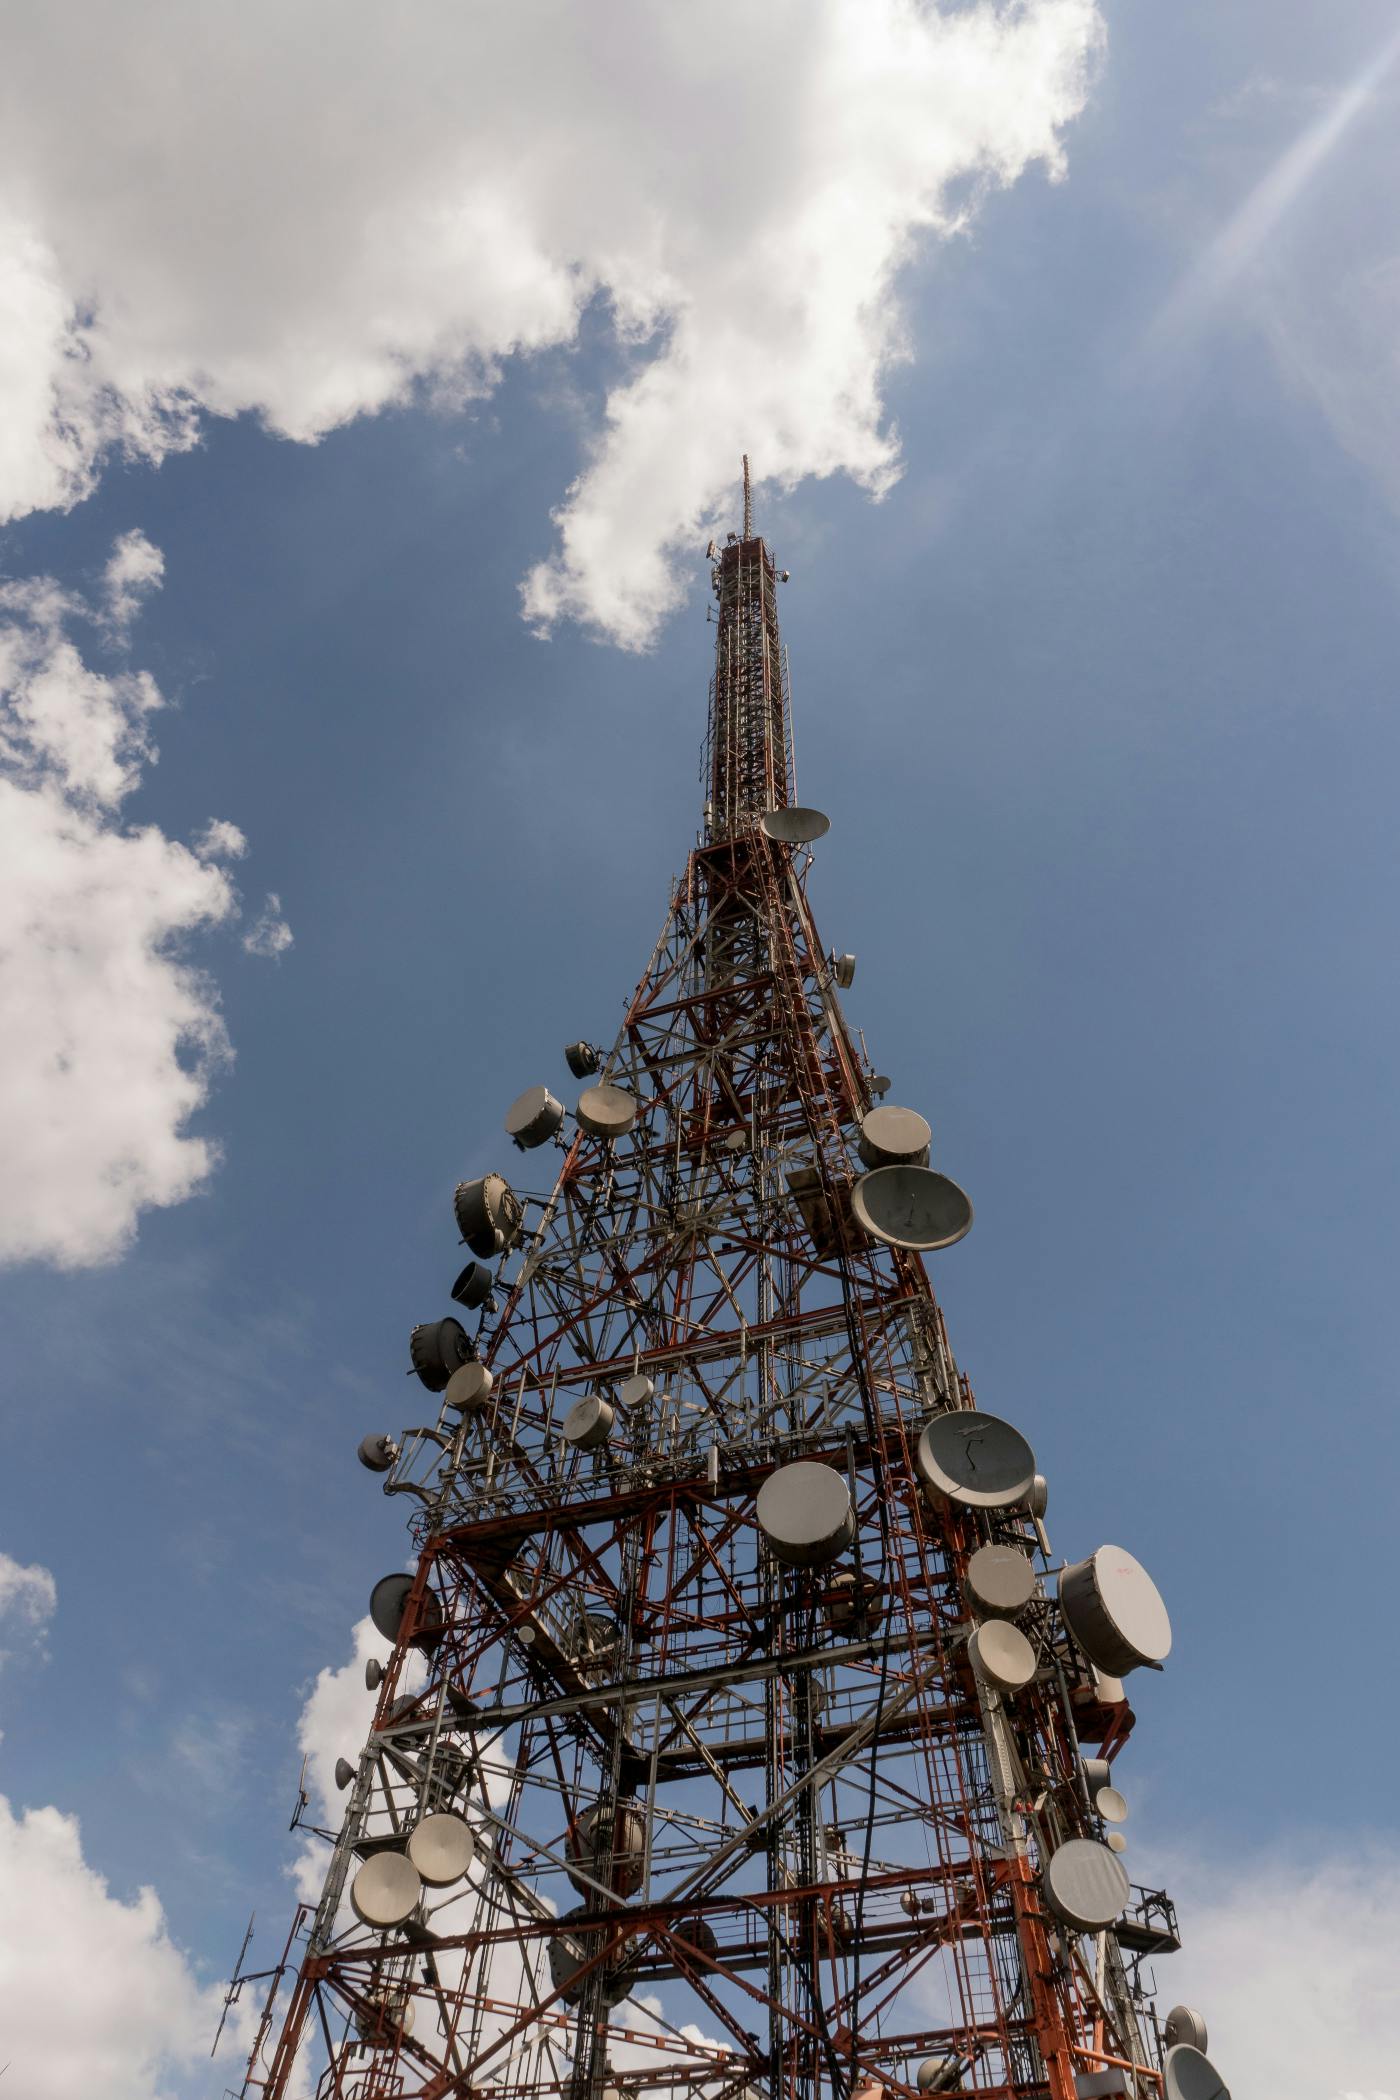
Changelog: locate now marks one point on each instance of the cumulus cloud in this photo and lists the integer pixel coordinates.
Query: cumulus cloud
(109, 1036)
(94, 1995)
(1290, 1954)
(338, 211)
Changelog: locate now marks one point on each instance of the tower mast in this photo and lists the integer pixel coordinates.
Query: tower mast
(732, 1742)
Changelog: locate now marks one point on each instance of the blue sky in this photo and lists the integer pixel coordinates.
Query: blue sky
(1100, 699)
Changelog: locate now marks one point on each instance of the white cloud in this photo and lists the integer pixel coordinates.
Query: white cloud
(269, 933)
(94, 1995)
(333, 209)
(220, 840)
(110, 1038)
(334, 1723)
(28, 1600)
(1290, 1955)
(135, 569)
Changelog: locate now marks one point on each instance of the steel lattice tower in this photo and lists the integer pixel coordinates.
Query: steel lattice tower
(729, 1676)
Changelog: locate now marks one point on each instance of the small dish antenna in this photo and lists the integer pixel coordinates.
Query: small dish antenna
(606, 1111)
(1002, 1655)
(588, 1424)
(1184, 2024)
(894, 1137)
(1000, 1581)
(469, 1388)
(533, 1118)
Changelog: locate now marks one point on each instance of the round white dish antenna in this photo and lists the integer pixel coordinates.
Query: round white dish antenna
(795, 826)
(975, 1460)
(1111, 1805)
(1184, 2024)
(606, 1111)
(804, 1512)
(588, 1424)
(386, 1891)
(1115, 1841)
(1000, 1581)
(533, 1117)
(911, 1207)
(1112, 1607)
(939, 2074)
(1189, 2074)
(1086, 1885)
(894, 1137)
(636, 1391)
(442, 1847)
(1002, 1655)
(469, 1388)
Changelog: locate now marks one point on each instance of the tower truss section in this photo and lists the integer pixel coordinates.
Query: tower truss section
(736, 1740)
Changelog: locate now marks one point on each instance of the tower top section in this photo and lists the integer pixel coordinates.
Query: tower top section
(749, 765)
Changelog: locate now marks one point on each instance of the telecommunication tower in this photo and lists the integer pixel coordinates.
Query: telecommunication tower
(737, 1740)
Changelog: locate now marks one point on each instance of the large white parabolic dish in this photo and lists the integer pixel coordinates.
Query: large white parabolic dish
(909, 1206)
(442, 1847)
(1188, 2074)
(1086, 1885)
(804, 1512)
(975, 1460)
(1114, 1610)
(387, 1889)
(795, 826)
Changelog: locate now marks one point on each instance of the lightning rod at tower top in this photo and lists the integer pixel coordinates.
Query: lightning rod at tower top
(740, 1737)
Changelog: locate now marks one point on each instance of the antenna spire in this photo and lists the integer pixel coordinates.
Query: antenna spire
(748, 501)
